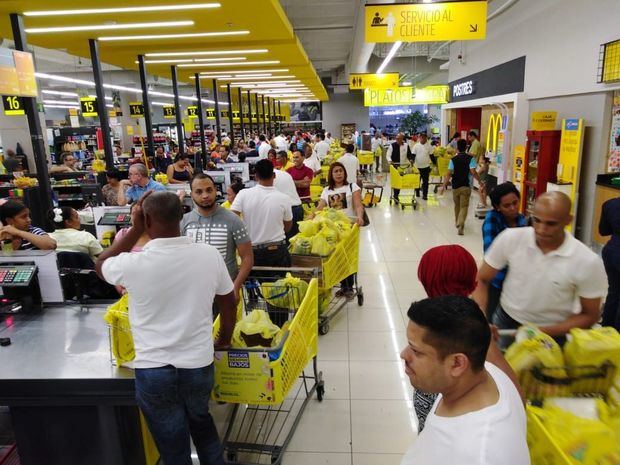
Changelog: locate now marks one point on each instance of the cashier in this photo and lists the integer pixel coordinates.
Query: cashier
(15, 217)
(139, 183)
(68, 164)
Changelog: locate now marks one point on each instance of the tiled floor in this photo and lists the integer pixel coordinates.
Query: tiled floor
(366, 417)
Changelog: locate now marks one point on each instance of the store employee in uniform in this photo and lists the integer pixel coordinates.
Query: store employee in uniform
(399, 154)
(209, 223)
(268, 216)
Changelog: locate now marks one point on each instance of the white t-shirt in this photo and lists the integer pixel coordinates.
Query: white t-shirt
(329, 140)
(313, 163)
(492, 436)
(72, 240)
(281, 143)
(352, 165)
(375, 143)
(285, 184)
(321, 149)
(264, 211)
(422, 154)
(263, 150)
(171, 321)
(341, 198)
(544, 289)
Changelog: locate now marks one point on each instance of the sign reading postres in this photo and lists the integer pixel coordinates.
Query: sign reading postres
(419, 22)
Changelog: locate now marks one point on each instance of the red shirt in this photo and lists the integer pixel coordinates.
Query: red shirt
(298, 174)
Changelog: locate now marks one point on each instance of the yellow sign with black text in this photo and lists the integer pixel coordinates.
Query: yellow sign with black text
(568, 170)
(89, 106)
(13, 105)
(361, 81)
(170, 112)
(430, 95)
(235, 115)
(543, 120)
(420, 22)
(136, 109)
(192, 112)
(210, 113)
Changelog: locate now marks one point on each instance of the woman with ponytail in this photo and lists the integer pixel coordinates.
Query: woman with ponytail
(67, 233)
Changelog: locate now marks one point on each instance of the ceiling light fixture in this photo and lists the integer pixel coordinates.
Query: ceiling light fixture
(107, 27)
(162, 104)
(61, 102)
(58, 92)
(191, 60)
(94, 96)
(133, 9)
(174, 36)
(406, 83)
(246, 63)
(245, 77)
(65, 107)
(246, 71)
(214, 52)
(266, 83)
(389, 56)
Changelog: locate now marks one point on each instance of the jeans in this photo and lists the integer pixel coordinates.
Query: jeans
(298, 215)
(493, 297)
(424, 175)
(347, 283)
(272, 256)
(502, 320)
(461, 197)
(611, 312)
(175, 403)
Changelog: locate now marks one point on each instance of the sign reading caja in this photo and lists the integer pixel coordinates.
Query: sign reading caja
(418, 22)
(361, 81)
(406, 96)
(543, 120)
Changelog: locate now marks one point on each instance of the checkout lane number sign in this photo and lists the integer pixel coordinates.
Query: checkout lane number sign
(13, 105)
(89, 106)
(136, 109)
(170, 111)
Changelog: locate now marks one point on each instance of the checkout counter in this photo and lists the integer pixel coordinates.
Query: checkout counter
(605, 190)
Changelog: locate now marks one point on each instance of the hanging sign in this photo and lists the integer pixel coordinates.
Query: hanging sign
(136, 109)
(254, 117)
(361, 81)
(246, 116)
(89, 106)
(235, 115)
(170, 112)
(13, 105)
(210, 113)
(224, 113)
(192, 112)
(17, 73)
(543, 120)
(406, 96)
(420, 22)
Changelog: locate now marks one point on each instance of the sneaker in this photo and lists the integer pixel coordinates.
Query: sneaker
(460, 230)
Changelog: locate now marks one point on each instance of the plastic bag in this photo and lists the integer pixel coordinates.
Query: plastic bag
(332, 235)
(255, 329)
(325, 297)
(308, 228)
(320, 246)
(286, 293)
(593, 347)
(533, 348)
(301, 245)
(343, 226)
(121, 339)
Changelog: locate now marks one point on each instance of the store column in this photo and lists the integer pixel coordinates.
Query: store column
(36, 132)
(177, 109)
(231, 130)
(250, 114)
(240, 95)
(269, 116)
(280, 113)
(262, 99)
(146, 104)
(101, 108)
(257, 113)
(218, 128)
(201, 123)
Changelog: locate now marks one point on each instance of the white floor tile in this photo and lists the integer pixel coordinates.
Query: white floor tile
(317, 458)
(379, 381)
(376, 319)
(376, 345)
(376, 459)
(324, 427)
(334, 346)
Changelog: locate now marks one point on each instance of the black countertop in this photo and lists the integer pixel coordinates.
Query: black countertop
(605, 180)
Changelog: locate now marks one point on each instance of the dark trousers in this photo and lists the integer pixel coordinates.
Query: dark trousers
(492, 301)
(175, 403)
(396, 193)
(424, 175)
(273, 256)
(347, 283)
(298, 215)
(502, 320)
(611, 312)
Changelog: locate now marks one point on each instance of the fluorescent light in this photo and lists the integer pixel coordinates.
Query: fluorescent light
(389, 56)
(266, 83)
(106, 97)
(246, 71)
(61, 102)
(212, 77)
(246, 63)
(133, 9)
(214, 52)
(298, 100)
(174, 36)
(107, 27)
(262, 78)
(192, 60)
(58, 92)
(108, 105)
(406, 83)
(162, 104)
(66, 107)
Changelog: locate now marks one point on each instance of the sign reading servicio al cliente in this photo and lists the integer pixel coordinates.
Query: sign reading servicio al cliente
(361, 81)
(430, 95)
(420, 22)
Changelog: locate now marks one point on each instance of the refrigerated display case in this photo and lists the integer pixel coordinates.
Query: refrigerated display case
(542, 153)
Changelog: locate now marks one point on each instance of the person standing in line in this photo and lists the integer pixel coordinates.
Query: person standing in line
(505, 214)
(284, 183)
(172, 330)
(139, 183)
(282, 161)
(209, 223)
(280, 142)
(609, 225)
(264, 147)
(302, 175)
(350, 163)
(310, 160)
(321, 148)
(110, 190)
(461, 167)
(455, 138)
(328, 138)
(268, 216)
(399, 154)
(477, 151)
(423, 153)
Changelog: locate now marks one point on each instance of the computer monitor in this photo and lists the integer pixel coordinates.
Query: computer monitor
(92, 194)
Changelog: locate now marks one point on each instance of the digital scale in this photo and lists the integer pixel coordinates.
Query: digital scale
(20, 288)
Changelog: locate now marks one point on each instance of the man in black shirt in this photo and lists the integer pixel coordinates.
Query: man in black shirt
(461, 167)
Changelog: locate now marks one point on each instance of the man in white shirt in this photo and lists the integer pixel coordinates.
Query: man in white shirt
(171, 324)
(328, 138)
(284, 183)
(351, 163)
(264, 147)
(321, 148)
(399, 154)
(375, 146)
(311, 160)
(553, 281)
(281, 143)
(268, 216)
(422, 151)
(478, 417)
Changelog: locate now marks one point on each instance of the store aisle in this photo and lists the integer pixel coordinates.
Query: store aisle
(367, 416)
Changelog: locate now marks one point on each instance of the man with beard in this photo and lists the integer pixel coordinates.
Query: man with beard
(208, 223)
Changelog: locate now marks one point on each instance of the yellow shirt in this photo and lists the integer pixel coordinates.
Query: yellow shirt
(287, 166)
(226, 205)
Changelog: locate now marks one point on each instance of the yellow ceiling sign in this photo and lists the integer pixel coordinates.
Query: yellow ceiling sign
(543, 120)
(406, 96)
(361, 81)
(418, 22)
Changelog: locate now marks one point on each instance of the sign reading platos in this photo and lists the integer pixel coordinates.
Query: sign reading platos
(419, 22)
(431, 95)
(361, 81)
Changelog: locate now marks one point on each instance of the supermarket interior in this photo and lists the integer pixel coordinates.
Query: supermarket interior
(344, 232)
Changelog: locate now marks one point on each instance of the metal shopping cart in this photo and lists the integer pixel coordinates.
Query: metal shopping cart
(372, 190)
(270, 387)
(439, 172)
(405, 178)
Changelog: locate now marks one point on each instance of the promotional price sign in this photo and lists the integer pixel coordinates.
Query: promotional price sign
(170, 112)
(136, 109)
(89, 106)
(361, 81)
(13, 105)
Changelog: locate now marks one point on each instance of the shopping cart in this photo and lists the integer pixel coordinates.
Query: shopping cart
(372, 190)
(439, 172)
(270, 387)
(405, 178)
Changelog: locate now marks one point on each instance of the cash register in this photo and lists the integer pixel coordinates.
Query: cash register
(20, 288)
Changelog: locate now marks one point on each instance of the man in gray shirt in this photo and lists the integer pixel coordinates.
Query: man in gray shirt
(211, 224)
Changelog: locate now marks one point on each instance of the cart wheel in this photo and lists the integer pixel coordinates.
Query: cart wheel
(390, 201)
(360, 298)
(324, 329)
(231, 456)
(415, 206)
(402, 207)
(436, 189)
(320, 391)
(274, 457)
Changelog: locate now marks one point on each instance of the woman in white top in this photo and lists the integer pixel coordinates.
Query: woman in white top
(68, 236)
(342, 195)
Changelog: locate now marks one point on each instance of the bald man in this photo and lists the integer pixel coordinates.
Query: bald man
(553, 281)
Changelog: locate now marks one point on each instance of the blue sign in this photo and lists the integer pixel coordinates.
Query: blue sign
(571, 125)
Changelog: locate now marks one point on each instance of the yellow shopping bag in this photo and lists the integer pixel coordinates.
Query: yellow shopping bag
(121, 339)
